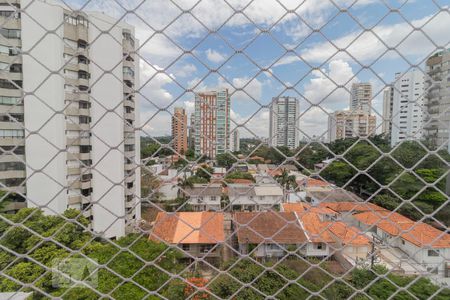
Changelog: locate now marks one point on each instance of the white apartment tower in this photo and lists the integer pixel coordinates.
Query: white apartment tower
(284, 122)
(388, 95)
(235, 141)
(407, 107)
(361, 97)
(77, 119)
(437, 100)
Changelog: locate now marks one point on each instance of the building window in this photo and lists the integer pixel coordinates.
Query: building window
(86, 177)
(206, 248)
(85, 149)
(85, 120)
(15, 68)
(320, 246)
(185, 247)
(10, 84)
(84, 105)
(12, 166)
(10, 33)
(433, 252)
(129, 148)
(11, 133)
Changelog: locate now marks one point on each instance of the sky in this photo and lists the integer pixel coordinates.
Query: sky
(312, 49)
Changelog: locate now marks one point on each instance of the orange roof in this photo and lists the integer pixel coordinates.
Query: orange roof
(276, 172)
(348, 235)
(423, 235)
(189, 228)
(314, 228)
(417, 233)
(312, 182)
(351, 206)
(295, 207)
(302, 207)
(255, 157)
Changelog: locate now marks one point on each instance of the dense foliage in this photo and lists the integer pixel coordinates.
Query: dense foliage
(148, 267)
(70, 239)
(391, 175)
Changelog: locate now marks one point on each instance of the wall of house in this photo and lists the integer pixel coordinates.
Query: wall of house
(195, 251)
(356, 251)
(313, 250)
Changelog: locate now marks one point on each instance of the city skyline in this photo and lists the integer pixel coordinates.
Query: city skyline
(166, 89)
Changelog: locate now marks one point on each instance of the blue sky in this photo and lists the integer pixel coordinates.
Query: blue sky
(298, 50)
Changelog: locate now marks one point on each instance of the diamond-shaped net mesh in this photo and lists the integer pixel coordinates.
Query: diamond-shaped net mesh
(224, 149)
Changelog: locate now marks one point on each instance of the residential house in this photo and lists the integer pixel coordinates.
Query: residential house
(318, 195)
(423, 243)
(346, 209)
(204, 197)
(351, 243)
(197, 234)
(254, 197)
(319, 240)
(268, 234)
(346, 241)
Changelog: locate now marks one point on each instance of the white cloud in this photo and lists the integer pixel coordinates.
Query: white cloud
(369, 46)
(253, 126)
(153, 87)
(186, 70)
(323, 88)
(314, 121)
(214, 56)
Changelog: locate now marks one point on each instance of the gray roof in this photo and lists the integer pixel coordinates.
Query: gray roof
(334, 195)
(204, 190)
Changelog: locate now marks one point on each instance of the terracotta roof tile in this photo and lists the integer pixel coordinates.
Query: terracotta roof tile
(347, 235)
(189, 228)
(301, 207)
(351, 206)
(295, 207)
(417, 233)
(314, 228)
(268, 227)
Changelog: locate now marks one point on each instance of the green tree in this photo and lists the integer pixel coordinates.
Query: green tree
(287, 182)
(225, 160)
(204, 171)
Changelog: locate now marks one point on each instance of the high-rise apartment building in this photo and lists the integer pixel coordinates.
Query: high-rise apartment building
(284, 122)
(407, 107)
(12, 133)
(361, 97)
(235, 141)
(69, 128)
(348, 124)
(388, 95)
(212, 123)
(191, 131)
(179, 131)
(437, 99)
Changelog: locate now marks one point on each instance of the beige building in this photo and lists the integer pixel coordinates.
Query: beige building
(361, 97)
(179, 131)
(347, 124)
(437, 99)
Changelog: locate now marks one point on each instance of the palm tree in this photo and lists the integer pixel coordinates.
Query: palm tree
(182, 184)
(287, 181)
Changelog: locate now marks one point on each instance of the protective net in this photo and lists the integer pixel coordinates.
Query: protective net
(224, 149)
